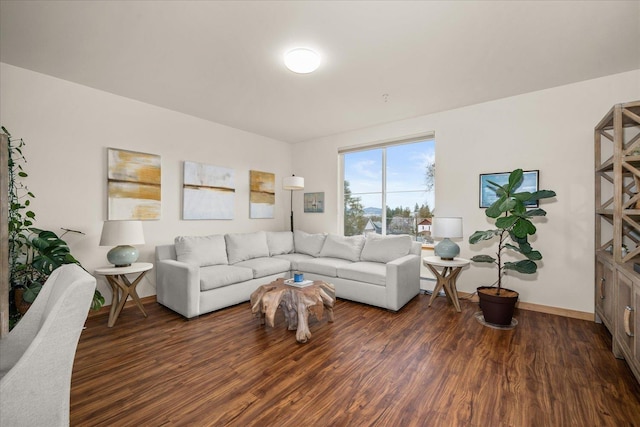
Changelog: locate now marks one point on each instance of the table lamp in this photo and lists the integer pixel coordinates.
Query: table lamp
(122, 235)
(292, 183)
(446, 229)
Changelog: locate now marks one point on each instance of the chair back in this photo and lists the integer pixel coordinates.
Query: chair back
(36, 357)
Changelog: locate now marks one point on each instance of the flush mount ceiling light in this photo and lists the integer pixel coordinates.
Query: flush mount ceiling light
(302, 60)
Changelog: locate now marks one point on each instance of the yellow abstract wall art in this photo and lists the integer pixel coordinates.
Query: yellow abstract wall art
(133, 185)
(262, 195)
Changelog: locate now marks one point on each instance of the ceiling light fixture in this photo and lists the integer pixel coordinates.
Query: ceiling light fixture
(302, 60)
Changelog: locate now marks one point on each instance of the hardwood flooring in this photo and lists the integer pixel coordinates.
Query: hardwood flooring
(419, 367)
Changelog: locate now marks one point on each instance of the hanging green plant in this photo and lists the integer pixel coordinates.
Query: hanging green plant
(33, 253)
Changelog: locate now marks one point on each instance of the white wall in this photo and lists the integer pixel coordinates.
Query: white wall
(68, 127)
(549, 130)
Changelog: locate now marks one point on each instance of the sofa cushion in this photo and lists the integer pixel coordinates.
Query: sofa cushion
(325, 266)
(294, 259)
(201, 250)
(385, 248)
(348, 248)
(368, 272)
(280, 242)
(217, 276)
(262, 267)
(242, 246)
(310, 244)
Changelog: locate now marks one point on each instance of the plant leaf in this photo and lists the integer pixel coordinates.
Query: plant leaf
(523, 227)
(494, 210)
(536, 212)
(542, 194)
(515, 179)
(504, 222)
(482, 235)
(525, 266)
(483, 258)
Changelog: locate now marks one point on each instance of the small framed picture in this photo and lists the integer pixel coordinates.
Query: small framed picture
(488, 196)
(314, 202)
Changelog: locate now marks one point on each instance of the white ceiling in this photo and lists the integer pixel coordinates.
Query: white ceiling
(222, 61)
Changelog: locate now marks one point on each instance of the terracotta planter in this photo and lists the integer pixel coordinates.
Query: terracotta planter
(21, 305)
(497, 309)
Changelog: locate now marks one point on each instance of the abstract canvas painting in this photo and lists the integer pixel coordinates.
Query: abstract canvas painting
(262, 195)
(208, 192)
(133, 185)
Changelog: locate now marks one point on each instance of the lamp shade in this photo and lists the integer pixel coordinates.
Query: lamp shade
(293, 183)
(443, 227)
(116, 233)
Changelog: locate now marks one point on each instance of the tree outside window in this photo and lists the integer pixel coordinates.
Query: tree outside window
(399, 177)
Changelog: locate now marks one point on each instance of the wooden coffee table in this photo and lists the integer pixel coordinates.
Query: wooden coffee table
(296, 304)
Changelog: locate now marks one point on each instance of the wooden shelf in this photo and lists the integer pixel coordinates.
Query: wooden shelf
(617, 284)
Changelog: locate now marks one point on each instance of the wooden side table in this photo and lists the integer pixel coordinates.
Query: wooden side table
(447, 278)
(122, 288)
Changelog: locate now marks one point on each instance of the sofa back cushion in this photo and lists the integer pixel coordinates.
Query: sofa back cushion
(310, 244)
(385, 248)
(201, 250)
(348, 248)
(243, 246)
(280, 242)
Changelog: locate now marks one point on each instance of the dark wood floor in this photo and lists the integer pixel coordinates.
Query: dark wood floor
(418, 367)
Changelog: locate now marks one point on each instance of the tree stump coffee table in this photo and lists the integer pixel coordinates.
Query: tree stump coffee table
(296, 303)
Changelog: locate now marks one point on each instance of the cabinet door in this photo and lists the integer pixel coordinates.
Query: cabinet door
(605, 293)
(635, 321)
(625, 314)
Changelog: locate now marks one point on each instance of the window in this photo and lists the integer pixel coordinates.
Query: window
(397, 176)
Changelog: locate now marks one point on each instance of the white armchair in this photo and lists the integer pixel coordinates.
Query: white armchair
(36, 357)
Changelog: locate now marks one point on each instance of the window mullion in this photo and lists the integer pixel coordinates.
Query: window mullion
(384, 191)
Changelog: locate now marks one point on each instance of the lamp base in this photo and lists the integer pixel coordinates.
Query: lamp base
(123, 255)
(446, 249)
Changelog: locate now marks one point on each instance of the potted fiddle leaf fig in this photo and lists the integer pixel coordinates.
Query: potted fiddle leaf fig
(513, 228)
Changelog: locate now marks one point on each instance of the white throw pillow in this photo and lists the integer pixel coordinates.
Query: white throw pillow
(310, 244)
(348, 248)
(280, 242)
(385, 248)
(243, 246)
(201, 250)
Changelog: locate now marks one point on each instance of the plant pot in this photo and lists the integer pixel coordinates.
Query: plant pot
(497, 309)
(21, 305)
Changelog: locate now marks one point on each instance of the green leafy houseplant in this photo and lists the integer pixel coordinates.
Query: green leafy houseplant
(514, 226)
(33, 253)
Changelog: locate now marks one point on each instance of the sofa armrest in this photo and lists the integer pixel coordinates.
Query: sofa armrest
(403, 280)
(178, 286)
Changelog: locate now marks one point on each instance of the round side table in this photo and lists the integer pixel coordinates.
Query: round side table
(445, 279)
(122, 288)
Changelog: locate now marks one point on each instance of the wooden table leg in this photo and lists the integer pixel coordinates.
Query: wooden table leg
(447, 281)
(122, 289)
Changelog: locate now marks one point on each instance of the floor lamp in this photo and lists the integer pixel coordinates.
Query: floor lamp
(292, 183)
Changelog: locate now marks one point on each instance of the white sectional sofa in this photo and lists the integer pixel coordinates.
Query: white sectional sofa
(200, 274)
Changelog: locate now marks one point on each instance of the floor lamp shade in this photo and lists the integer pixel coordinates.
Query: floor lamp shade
(446, 228)
(292, 183)
(123, 235)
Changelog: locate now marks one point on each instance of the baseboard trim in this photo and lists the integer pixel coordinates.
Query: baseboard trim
(565, 312)
(105, 309)
(574, 314)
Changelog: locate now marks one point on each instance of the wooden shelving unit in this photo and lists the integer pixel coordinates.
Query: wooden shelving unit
(617, 226)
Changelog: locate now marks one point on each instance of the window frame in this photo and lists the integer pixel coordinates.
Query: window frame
(422, 137)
